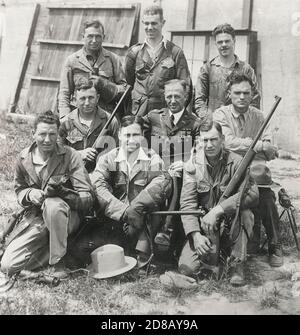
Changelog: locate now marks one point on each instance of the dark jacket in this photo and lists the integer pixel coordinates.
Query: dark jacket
(148, 77)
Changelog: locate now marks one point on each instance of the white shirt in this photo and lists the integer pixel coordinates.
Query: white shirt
(154, 51)
(177, 116)
(86, 122)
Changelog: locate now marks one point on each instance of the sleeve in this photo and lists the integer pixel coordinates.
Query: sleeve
(62, 134)
(119, 75)
(183, 73)
(256, 95)
(189, 202)
(130, 67)
(21, 187)
(102, 179)
(81, 183)
(248, 198)
(66, 89)
(158, 189)
(232, 142)
(202, 93)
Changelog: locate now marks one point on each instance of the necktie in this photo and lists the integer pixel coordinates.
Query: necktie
(172, 118)
(241, 119)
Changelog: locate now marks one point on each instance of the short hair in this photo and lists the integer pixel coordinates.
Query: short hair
(46, 117)
(154, 10)
(84, 84)
(93, 23)
(128, 120)
(210, 125)
(183, 83)
(238, 77)
(224, 28)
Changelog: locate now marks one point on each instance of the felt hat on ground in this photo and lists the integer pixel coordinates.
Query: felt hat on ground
(262, 176)
(109, 261)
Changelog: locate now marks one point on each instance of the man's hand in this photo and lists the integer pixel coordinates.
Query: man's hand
(202, 244)
(67, 123)
(208, 222)
(88, 154)
(269, 150)
(36, 197)
(175, 169)
(133, 221)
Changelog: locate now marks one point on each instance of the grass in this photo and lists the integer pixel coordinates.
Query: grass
(131, 293)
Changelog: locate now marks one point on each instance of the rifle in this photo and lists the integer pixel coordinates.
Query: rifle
(89, 165)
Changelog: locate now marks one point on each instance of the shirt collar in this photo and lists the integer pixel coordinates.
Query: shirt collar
(86, 53)
(237, 114)
(216, 61)
(37, 158)
(177, 116)
(163, 42)
(121, 156)
(222, 157)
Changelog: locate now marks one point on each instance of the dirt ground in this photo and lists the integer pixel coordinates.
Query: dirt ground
(268, 290)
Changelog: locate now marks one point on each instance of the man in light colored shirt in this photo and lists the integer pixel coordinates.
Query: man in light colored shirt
(211, 86)
(150, 64)
(240, 123)
(130, 181)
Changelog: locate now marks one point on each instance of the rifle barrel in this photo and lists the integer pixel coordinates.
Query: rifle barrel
(199, 212)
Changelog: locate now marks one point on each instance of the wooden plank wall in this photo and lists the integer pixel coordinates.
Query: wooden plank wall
(61, 36)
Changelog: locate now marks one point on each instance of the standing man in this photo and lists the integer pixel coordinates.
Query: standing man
(54, 188)
(150, 64)
(86, 122)
(211, 86)
(131, 181)
(95, 62)
(240, 123)
(205, 178)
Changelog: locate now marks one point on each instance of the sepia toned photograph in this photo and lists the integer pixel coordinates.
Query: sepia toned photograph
(149, 160)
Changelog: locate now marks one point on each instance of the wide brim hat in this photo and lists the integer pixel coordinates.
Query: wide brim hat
(109, 261)
(262, 176)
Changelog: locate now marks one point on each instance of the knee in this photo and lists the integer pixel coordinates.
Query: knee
(188, 267)
(8, 266)
(55, 204)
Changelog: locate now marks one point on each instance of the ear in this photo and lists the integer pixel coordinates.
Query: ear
(163, 22)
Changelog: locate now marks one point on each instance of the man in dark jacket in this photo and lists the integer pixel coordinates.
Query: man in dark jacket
(150, 64)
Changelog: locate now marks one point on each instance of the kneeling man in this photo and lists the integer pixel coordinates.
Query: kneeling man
(54, 188)
(131, 181)
(205, 178)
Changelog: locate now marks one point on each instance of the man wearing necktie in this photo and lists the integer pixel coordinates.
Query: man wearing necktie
(240, 123)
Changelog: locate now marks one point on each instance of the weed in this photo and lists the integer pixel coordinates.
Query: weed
(269, 299)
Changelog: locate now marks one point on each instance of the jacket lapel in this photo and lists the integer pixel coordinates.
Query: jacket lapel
(101, 59)
(182, 122)
(83, 61)
(99, 120)
(55, 160)
(165, 120)
(29, 167)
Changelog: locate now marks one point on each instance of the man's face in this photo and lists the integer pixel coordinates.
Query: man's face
(153, 26)
(93, 38)
(225, 44)
(87, 100)
(175, 97)
(212, 143)
(130, 137)
(45, 136)
(241, 96)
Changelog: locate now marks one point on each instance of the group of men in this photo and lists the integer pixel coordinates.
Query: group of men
(209, 132)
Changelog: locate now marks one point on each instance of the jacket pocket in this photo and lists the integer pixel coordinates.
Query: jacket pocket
(167, 68)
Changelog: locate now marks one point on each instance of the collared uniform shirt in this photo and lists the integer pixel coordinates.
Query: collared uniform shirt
(239, 139)
(211, 86)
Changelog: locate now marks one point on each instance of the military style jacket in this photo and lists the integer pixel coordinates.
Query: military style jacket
(211, 85)
(108, 66)
(161, 133)
(80, 136)
(147, 77)
(200, 188)
(146, 186)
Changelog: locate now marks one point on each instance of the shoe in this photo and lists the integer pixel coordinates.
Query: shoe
(59, 270)
(163, 241)
(275, 255)
(238, 276)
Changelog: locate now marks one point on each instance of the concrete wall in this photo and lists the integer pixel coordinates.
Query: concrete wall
(277, 23)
